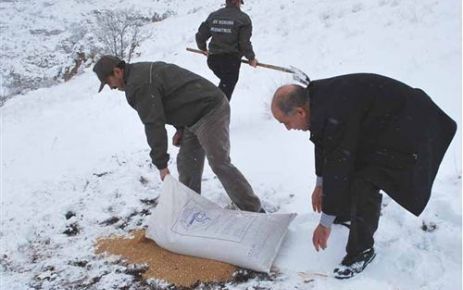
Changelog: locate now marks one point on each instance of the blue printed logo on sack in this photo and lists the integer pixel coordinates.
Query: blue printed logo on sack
(194, 217)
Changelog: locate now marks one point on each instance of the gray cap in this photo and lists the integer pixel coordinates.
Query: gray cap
(104, 67)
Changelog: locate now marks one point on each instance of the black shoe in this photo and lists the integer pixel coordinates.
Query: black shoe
(262, 210)
(352, 265)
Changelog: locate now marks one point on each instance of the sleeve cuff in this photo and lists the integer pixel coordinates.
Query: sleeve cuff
(162, 163)
(319, 181)
(161, 166)
(327, 220)
(250, 56)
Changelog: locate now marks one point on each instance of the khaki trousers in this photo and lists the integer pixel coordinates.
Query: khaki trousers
(209, 137)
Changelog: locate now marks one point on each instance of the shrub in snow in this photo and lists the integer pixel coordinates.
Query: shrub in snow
(119, 31)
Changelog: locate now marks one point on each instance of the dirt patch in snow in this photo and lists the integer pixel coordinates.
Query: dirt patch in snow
(180, 270)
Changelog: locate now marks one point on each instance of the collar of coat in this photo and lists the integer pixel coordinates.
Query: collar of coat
(127, 68)
(317, 113)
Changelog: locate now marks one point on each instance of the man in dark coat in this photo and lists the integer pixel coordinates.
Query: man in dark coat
(370, 133)
(164, 93)
(230, 31)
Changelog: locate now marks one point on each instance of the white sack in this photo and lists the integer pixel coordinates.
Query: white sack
(186, 223)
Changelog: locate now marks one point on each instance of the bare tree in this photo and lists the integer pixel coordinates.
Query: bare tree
(119, 31)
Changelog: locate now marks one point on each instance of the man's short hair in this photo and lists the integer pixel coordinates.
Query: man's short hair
(298, 96)
(234, 2)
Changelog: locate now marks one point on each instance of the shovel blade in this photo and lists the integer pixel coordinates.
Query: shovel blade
(300, 76)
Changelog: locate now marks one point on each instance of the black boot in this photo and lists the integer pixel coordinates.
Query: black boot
(352, 265)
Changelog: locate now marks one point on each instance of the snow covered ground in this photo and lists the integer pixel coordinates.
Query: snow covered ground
(75, 163)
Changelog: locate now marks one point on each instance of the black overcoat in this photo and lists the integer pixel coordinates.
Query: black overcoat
(379, 129)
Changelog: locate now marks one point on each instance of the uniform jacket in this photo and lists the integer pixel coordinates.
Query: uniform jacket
(230, 29)
(379, 129)
(163, 94)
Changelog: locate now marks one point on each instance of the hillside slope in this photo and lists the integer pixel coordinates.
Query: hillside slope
(73, 159)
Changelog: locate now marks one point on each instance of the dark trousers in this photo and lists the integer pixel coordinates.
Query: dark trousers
(227, 68)
(365, 209)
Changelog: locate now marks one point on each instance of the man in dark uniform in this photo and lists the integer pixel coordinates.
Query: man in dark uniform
(163, 94)
(230, 29)
(370, 133)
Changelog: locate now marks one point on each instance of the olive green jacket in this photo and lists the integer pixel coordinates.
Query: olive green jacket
(164, 93)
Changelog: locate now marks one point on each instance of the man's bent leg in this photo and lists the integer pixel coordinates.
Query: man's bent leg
(227, 69)
(190, 161)
(213, 135)
(365, 210)
(230, 75)
(365, 213)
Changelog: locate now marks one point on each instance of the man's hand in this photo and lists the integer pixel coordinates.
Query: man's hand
(320, 237)
(177, 139)
(253, 62)
(163, 173)
(317, 199)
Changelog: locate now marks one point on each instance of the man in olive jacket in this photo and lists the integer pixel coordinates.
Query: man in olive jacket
(230, 31)
(370, 133)
(163, 94)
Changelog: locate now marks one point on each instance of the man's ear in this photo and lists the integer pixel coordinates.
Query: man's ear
(118, 72)
(300, 111)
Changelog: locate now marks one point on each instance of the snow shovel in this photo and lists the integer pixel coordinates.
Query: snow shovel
(298, 75)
